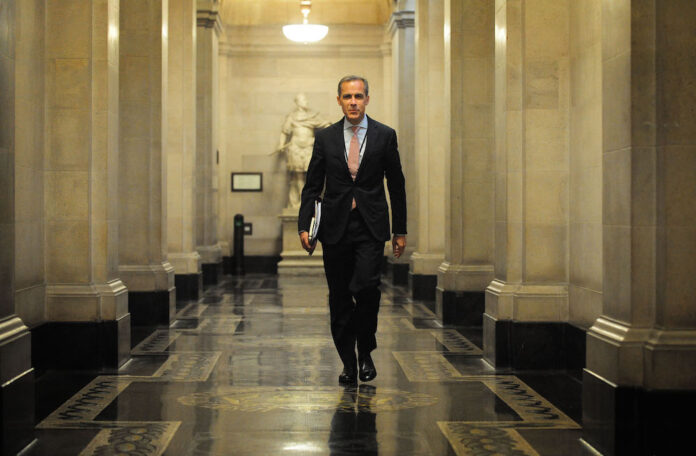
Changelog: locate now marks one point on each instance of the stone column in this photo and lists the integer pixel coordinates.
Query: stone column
(527, 303)
(641, 353)
(469, 183)
(430, 149)
(86, 302)
(143, 93)
(207, 38)
(401, 28)
(181, 150)
(21, 51)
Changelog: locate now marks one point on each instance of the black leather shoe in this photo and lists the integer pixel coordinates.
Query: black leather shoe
(367, 368)
(348, 377)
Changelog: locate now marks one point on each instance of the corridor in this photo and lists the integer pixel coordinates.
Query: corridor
(250, 369)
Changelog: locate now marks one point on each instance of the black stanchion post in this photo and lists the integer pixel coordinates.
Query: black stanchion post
(239, 244)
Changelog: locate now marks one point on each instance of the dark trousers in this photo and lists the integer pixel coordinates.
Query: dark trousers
(353, 267)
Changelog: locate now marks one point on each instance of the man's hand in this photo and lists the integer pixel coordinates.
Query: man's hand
(398, 245)
(304, 239)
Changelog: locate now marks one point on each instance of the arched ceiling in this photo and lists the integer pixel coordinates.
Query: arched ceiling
(265, 12)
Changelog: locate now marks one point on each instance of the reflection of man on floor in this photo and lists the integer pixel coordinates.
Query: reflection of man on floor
(352, 158)
(296, 140)
(354, 429)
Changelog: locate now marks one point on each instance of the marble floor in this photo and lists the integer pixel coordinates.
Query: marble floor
(250, 369)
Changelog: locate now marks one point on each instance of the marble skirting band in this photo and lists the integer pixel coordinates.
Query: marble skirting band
(533, 345)
(462, 308)
(212, 273)
(81, 345)
(151, 308)
(623, 421)
(422, 286)
(189, 287)
(253, 264)
(398, 273)
(17, 409)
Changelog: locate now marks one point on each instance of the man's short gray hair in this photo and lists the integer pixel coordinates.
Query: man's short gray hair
(350, 78)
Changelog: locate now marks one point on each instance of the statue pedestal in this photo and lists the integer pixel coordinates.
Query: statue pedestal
(294, 260)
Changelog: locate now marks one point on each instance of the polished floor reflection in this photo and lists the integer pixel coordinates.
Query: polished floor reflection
(250, 369)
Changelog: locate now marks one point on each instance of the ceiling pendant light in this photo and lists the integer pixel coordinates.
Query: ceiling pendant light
(304, 32)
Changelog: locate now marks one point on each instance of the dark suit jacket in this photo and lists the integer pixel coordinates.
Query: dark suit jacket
(380, 160)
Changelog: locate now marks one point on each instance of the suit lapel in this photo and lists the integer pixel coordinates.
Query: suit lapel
(340, 146)
(369, 145)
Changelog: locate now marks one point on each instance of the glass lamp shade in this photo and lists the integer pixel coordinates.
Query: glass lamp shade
(305, 33)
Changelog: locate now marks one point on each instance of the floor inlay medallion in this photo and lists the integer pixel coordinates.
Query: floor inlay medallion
(305, 399)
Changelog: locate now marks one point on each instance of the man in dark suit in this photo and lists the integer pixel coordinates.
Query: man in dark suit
(351, 158)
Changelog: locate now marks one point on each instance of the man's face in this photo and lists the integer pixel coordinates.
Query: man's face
(353, 100)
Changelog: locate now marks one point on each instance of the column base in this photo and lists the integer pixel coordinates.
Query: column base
(422, 277)
(152, 308)
(211, 263)
(623, 420)
(81, 345)
(17, 390)
(17, 403)
(533, 345)
(461, 308)
(188, 286)
(422, 286)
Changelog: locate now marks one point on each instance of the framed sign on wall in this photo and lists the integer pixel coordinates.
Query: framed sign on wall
(247, 182)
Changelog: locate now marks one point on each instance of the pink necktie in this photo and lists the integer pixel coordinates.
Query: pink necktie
(354, 157)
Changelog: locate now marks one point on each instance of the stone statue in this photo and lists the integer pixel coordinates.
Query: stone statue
(297, 140)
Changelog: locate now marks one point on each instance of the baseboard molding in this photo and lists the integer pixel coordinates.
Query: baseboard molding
(81, 345)
(397, 273)
(17, 404)
(533, 345)
(422, 286)
(212, 273)
(460, 308)
(188, 286)
(254, 264)
(630, 421)
(152, 308)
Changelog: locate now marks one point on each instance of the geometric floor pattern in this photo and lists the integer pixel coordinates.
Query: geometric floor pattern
(250, 369)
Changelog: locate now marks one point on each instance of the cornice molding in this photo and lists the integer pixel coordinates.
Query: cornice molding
(209, 17)
(292, 50)
(401, 20)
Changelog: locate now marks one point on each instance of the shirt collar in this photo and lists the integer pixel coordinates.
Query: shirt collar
(363, 123)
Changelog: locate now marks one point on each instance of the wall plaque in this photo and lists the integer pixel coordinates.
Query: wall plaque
(247, 182)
